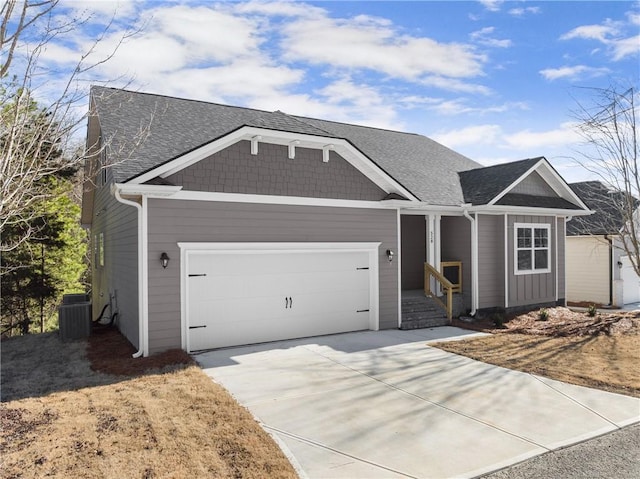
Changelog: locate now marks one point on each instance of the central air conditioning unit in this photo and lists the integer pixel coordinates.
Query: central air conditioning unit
(74, 317)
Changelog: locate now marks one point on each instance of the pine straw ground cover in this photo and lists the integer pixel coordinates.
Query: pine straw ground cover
(87, 409)
(602, 351)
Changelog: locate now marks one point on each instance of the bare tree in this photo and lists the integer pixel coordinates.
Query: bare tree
(35, 140)
(608, 127)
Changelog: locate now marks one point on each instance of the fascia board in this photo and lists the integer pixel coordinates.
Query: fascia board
(527, 210)
(276, 200)
(341, 146)
(157, 191)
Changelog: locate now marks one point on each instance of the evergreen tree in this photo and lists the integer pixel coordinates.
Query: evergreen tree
(49, 264)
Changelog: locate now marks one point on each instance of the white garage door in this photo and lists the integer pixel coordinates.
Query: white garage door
(630, 282)
(237, 297)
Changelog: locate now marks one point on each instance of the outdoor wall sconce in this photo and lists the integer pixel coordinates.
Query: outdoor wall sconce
(620, 264)
(164, 259)
(390, 255)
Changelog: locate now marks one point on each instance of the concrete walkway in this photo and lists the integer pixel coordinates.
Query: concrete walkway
(385, 405)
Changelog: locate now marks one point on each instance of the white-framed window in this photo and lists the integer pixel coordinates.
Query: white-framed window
(532, 248)
(99, 249)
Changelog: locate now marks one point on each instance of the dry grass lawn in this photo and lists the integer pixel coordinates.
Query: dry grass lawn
(601, 352)
(60, 418)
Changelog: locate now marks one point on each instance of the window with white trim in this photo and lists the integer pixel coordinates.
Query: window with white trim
(98, 243)
(532, 251)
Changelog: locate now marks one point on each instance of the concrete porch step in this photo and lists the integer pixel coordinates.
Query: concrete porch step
(418, 311)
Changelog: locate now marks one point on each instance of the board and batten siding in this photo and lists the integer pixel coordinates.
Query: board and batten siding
(531, 289)
(119, 275)
(271, 172)
(491, 261)
(588, 269)
(174, 221)
(455, 238)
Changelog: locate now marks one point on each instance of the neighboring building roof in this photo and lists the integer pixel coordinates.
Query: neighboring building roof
(608, 206)
(144, 131)
(482, 185)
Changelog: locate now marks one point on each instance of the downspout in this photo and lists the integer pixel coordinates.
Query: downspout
(141, 322)
(611, 253)
(474, 263)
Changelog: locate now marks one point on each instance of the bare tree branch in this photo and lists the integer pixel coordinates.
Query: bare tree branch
(610, 152)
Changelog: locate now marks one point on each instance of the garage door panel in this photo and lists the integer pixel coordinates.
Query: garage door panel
(250, 298)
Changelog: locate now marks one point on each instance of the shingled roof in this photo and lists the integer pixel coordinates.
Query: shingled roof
(482, 185)
(144, 131)
(608, 206)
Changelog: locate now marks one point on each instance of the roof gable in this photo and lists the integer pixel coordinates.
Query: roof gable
(529, 183)
(146, 132)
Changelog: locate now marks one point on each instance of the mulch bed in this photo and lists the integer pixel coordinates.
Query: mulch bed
(109, 352)
(561, 322)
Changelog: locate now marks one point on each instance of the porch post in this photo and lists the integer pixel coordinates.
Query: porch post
(436, 247)
(432, 223)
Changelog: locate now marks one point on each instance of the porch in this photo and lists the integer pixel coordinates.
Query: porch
(435, 269)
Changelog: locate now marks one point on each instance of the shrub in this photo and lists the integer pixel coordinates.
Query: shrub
(592, 311)
(543, 314)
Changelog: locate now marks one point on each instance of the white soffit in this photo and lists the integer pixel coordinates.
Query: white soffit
(342, 147)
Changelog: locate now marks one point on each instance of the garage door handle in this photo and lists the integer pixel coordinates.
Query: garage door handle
(201, 274)
(362, 311)
(197, 327)
(288, 302)
(361, 268)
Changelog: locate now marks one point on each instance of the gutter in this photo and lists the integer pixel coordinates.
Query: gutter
(142, 316)
(474, 261)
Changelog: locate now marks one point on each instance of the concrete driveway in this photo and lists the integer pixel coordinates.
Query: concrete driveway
(386, 405)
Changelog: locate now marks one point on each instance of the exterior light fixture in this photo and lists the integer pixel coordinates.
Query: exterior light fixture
(390, 255)
(164, 259)
(620, 264)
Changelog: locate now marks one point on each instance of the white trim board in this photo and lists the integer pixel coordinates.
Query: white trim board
(342, 147)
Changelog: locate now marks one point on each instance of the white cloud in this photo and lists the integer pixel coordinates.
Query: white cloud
(369, 43)
(564, 135)
(484, 37)
(522, 11)
(613, 34)
(452, 84)
(492, 5)
(471, 135)
(592, 32)
(459, 106)
(573, 72)
(99, 9)
(285, 9)
(626, 47)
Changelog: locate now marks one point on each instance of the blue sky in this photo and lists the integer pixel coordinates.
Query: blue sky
(494, 80)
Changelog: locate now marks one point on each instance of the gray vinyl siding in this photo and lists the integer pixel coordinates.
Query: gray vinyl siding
(119, 275)
(534, 185)
(491, 261)
(531, 289)
(413, 251)
(455, 233)
(271, 172)
(173, 221)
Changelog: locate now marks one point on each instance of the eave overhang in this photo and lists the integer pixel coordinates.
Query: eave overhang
(261, 135)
